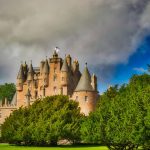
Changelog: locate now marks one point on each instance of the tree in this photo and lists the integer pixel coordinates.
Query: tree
(45, 122)
(122, 116)
(7, 91)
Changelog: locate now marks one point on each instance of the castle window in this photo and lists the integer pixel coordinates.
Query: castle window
(36, 94)
(55, 78)
(36, 84)
(54, 70)
(54, 89)
(86, 98)
(76, 98)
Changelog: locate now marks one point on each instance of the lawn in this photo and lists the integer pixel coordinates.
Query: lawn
(8, 147)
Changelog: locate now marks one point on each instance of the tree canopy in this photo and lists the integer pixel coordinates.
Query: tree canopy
(44, 123)
(7, 91)
(122, 118)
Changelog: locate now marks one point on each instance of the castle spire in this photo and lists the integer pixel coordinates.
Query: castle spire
(30, 72)
(21, 73)
(85, 81)
(46, 67)
(64, 67)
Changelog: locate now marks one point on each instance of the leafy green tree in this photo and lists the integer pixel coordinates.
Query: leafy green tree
(7, 91)
(45, 122)
(121, 120)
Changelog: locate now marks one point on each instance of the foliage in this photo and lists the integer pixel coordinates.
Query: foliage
(44, 123)
(7, 91)
(122, 118)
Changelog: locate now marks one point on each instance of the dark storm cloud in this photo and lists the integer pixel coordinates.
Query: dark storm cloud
(102, 33)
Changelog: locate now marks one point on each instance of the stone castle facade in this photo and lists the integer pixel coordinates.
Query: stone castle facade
(55, 76)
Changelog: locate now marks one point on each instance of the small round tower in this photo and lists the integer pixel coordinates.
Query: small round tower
(20, 79)
(64, 77)
(85, 94)
(45, 73)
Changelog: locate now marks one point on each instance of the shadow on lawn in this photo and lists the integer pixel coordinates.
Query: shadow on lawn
(61, 146)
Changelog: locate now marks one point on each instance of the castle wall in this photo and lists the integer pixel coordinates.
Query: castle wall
(5, 111)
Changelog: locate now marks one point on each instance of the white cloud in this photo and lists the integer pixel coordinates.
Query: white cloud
(140, 70)
(102, 33)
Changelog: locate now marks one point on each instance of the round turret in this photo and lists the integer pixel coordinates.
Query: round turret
(85, 94)
(20, 79)
(41, 66)
(64, 73)
(45, 73)
(30, 76)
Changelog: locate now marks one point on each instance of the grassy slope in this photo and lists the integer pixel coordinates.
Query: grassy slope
(7, 147)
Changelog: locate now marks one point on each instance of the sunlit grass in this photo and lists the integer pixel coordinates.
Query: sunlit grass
(10, 147)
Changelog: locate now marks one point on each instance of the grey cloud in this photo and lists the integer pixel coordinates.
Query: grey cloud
(102, 33)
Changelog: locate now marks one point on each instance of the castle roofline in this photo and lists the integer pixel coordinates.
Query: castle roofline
(85, 82)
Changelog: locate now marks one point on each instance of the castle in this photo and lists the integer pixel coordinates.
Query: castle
(55, 76)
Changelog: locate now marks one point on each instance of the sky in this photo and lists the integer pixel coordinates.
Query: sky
(112, 36)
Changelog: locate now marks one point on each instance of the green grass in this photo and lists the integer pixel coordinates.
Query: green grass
(9, 147)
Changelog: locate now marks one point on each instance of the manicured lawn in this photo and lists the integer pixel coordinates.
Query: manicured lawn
(8, 147)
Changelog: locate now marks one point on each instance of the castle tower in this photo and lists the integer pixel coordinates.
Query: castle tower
(30, 76)
(45, 73)
(41, 67)
(25, 69)
(20, 79)
(54, 75)
(64, 77)
(20, 87)
(85, 94)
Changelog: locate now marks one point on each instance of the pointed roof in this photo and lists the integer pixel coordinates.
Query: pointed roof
(21, 73)
(64, 67)
(85, 81)
(30, 73)
(46, 67)
(31, 70)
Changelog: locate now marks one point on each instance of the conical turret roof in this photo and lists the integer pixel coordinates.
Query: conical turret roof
(46, 67)
(85, 81)
(21, 73)
(64, 67)
(30, 72)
